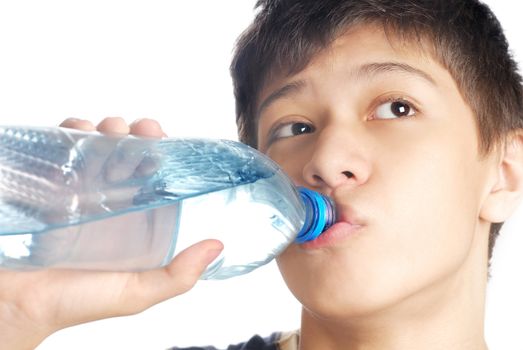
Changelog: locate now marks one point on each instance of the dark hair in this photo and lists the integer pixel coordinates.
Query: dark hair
(462, 35)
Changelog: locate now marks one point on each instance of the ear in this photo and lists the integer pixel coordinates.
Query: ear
(507, 192)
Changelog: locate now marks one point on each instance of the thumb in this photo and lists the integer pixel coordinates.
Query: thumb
(147, 288)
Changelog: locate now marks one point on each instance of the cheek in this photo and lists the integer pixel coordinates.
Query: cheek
(432, 212)
(291, 157)
(422, 202)
(432, 206)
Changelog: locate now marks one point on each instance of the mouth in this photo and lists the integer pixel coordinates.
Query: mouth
(337, 233)
(346, 226)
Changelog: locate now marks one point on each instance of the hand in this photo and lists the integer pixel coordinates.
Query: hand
(35, 304)
(117, 158)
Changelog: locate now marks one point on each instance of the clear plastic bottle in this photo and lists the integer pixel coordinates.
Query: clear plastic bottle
(73, 199)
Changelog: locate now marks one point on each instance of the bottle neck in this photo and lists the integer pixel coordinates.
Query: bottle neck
(320, 214)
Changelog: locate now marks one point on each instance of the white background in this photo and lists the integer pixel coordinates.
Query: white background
(169, 60)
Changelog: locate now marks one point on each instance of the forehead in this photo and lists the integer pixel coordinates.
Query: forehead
(359, 46)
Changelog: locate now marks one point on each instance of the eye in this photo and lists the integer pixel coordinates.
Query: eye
(394, 109)
(291, 129)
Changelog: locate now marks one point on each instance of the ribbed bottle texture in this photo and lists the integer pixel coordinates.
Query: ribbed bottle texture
(71, 199)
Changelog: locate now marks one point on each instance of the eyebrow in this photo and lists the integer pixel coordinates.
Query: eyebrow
(371, 69)
(292, 88)
(366, 70)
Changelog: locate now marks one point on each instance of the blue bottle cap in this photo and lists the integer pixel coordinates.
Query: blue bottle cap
(319, 215)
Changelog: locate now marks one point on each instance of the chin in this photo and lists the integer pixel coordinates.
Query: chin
(345, 294)
(345, 307)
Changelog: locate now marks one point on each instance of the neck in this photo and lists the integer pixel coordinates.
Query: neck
(446, 315)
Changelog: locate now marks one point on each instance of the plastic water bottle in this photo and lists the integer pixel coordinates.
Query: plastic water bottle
(84, 200)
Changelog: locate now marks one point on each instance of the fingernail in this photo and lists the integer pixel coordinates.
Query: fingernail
(116, 118)
(136, 121)
(212, 254)
(70, 120)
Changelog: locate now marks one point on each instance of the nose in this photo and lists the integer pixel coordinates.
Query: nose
(338, 159)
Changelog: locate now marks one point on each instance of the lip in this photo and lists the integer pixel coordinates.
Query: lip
(338, 232)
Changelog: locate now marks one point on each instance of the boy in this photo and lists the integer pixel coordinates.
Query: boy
(409, 114)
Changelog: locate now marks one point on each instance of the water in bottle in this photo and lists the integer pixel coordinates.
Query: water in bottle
(74, 199)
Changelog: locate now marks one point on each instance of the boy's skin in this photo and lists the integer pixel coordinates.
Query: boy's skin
(412, 275)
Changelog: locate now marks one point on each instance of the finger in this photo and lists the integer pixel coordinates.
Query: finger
(80, 124)
(146, 127)
(70, 297)
(113, 125)
(148, 166)
(126, 159)
(129, 158)
(148, 288)
(101, 149)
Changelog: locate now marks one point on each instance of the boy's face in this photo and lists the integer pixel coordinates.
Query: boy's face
(384, 131)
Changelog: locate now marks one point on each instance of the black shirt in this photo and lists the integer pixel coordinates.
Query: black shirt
(255, 343)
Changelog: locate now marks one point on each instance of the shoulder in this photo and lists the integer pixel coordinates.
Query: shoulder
(277, 341)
